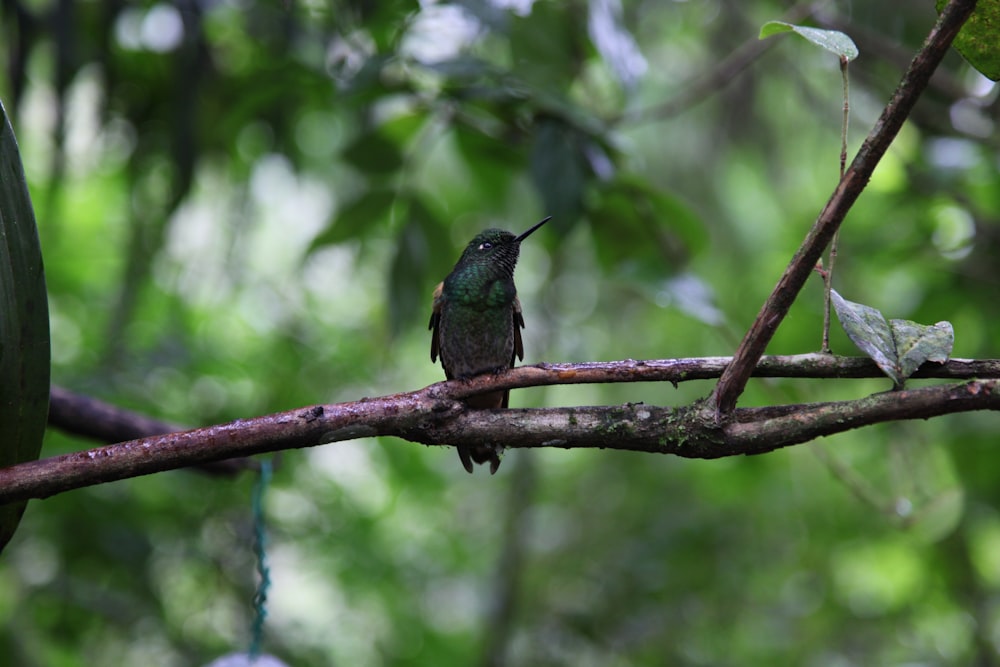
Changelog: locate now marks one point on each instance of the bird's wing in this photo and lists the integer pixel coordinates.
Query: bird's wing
(518, 354)
(518, 325)
(435, 322)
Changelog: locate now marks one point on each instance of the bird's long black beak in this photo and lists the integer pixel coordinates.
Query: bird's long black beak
(527, 233)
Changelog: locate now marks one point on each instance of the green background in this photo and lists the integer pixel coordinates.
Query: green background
(244, 208)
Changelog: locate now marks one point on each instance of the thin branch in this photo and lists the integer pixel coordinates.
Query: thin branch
(435, 415)
(90, 418)
(832, 257)
(813, 365)
(914, 82)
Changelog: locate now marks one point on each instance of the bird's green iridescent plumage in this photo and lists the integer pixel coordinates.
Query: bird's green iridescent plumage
(476, 321)
(474, 314)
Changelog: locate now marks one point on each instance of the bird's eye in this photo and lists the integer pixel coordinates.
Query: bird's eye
(486, 245)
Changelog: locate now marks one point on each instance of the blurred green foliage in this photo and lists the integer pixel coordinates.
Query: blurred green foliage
(244, 208)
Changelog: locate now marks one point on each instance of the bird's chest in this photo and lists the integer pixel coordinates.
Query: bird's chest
(476, 340)
(471, 292)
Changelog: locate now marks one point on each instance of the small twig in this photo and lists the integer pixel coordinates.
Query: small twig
(832, 257)
(914, 81)
(844, 64)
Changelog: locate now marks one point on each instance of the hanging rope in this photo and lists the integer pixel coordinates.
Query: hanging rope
(260, 550)
(253, 657)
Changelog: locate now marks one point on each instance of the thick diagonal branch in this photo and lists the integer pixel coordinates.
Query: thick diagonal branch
(914, 81)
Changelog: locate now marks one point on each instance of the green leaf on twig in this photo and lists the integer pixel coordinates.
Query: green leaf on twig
(899, 347)
(832, 40)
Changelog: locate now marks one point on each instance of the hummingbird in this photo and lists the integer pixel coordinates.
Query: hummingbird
(476, 322)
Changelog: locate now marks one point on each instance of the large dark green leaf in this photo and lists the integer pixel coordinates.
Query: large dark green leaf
(375, 154)
(356, 218)
(419, 250)
(643, 231)
(380, 152)
(979, 40)
(24, 324)
(544, 45)
(491, 163)
(559, 170)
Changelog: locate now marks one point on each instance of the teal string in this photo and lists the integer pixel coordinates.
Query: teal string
(260, 550)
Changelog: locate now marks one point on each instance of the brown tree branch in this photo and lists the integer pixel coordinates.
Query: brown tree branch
(90, 418)
(914, 81)
(80, 415)
(684, 432)
(812, 365)
(435, 415)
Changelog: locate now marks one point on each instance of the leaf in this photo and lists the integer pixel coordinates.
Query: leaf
(867, 328)
(489, 162)
(24, 324)
(899, 347)
(643, 230)
(419, 250)
(402, 128)
(832, 40)
(351, 222)
(544, 46)
(379, 151)
(979, 39)
(917, 343)
(373, 153)
(559, 170)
